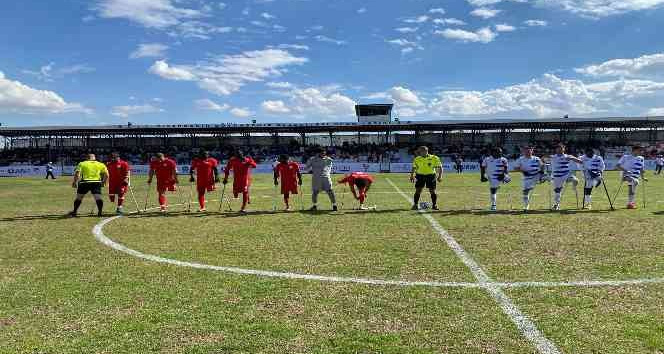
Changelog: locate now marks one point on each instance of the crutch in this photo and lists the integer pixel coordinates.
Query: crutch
(301, 199)
(223, 194)
(576, 194)
(191, 191)
(274, 198)
(606, 190)
(619, 190)
(645, 194)
(133, 197)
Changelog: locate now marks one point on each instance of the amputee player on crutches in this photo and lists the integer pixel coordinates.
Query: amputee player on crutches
(241, 167)
(167, 178)
(288, 172)
(360, 180)
(118, 180)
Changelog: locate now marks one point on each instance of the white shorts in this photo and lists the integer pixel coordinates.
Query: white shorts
(494, 183)
(319, 184)
(631, 181)
(529, 183)
(559, 182)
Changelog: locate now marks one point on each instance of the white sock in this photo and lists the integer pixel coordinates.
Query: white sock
(493, 199)
(526, 199)
(556, 198)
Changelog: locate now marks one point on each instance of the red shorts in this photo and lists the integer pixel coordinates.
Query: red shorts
(289, 189)
(162, 188)
(117, 188)
(206, 188)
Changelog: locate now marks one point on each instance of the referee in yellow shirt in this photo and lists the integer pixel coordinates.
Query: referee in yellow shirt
(427, 170)
(90, 176)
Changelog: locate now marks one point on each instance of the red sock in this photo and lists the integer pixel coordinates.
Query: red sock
(162, 200)
(245, 200)
(121, 199)
(286, 199)
(112, 198)
(201, 200)
(362, 196)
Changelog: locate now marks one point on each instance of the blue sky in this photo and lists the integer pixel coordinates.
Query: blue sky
(204, 61)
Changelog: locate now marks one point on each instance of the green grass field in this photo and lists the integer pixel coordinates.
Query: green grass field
(62, 291)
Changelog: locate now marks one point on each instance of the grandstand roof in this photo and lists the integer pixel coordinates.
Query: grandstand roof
(437, 125)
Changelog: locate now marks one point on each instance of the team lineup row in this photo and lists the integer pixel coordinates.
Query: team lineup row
(91, 175)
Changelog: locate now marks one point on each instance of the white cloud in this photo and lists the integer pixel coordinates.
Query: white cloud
(275, 107)
(505, 28)
(483, 35)
(198, 30)
(449, 21)
(485, 13)
(535, 23)
(279, 85)
(326, 39)
(126, 111)
(176, 73)
(209, 105)
(362, 10)
(227, 74)
(601, 8)
(407, 29)
(586, 8)
(437, 10)
(149, 13)
(16, 97)
(267, 16)
(418, 19)
(150, 50)
(402, 97)
(646, 66)
(240, 112)
(293, 46)
(547, 96)
(323, 101)
(655, 112)
(50, 72)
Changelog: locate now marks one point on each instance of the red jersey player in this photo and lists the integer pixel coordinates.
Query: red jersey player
(360, 180)
(207, 174)
(289, 173)
(118, 179)
(241, 176)
(167, 177)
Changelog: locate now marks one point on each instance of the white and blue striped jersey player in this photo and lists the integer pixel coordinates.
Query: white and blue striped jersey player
(593, 168)
(531, 168)
(496, 169)
(562, 172)
(633, 167)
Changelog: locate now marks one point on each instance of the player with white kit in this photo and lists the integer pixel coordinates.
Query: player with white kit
(532, 169)
(562, 173)
(593, 169)
(633, 167)
(494, 169)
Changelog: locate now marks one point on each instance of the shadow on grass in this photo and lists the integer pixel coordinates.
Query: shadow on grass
(50, 217)
(232, 214)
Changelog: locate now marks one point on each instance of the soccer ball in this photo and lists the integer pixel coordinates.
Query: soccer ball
(425, 205)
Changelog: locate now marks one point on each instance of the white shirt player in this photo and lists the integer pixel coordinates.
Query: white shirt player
(660, 161)
(633, 166)
(593, 168)
(531, 168)
(496, 168)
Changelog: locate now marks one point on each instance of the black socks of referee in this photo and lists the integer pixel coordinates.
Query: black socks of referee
(434, 199)
(77, 204)
(416, 198)
(100, 206)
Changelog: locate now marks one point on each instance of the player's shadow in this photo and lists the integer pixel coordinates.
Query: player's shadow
(234, 214)
(44, 217)
(476, 212)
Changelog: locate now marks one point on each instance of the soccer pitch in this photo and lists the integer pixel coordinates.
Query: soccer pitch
(459, 280)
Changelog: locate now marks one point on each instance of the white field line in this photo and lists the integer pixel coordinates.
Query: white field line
(523, 323)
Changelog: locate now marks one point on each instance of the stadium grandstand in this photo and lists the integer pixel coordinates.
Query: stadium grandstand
(358, 142)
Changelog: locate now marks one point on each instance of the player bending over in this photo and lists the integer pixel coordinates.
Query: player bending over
(89, 176)
(532, 169)
(593, 169)
(118, 180)
(360, 180)
(321, 178)
(427, 170)
(241, 167)
(167, 177)
(494, 169)
(633, 167)
(562, 174)
(288, 172)
(207, 175)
